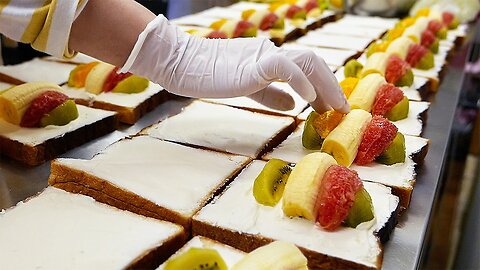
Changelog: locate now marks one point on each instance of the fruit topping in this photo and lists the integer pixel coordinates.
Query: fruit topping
(245, 29)
(434, 26)
(197, 258)
(269, 21)
(397, 72)
(97, 77)
(270, 183)
(302, 187)
(361, 211)
(450, 20)
(363, 96)
(61, 115)
(310, 138)
(352, 68)
(419, 57)
(113, 79)
(336, 196)
(278, 255)
(342, 143)
(311, 4)
(387, 97)
(296, 12)
(79, 74)
(399, 111)
(395, 152)
(348, 84)
(41, 105)
(216, 34)
(326, 122)
(377, 137)
(131, 85)
(16, 100)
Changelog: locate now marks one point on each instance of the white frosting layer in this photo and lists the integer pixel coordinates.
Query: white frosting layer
(350, 30)
(119, 99)
(245, 102)
(412, 125)
(229, 254)
(221, 128)
(194, 20)
(242, 5)
(370, 21)
(36, 136)
(170, 175)
(334, 41)
(60, 230)
(357, 245)
(332, 57)
(398, 175)
(39, 70)
(4, 86)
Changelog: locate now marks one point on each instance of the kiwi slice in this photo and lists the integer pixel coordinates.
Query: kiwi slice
(61, 115)
(352, 68)
(399, 111)
(197, 258)
(131, 85)
(442, 33)
(279, 24)
(270, 183)
(310, 137)
(427, 61)
(395, 153)
(435, 46)
(372, 48)
(302, 15)
(361, 211)
(405, 80)
(454, 24)
(250, 32)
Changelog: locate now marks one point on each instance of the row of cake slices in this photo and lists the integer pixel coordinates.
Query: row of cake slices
(171, 181)
(40, 120)
(279, 21)
(232, 130)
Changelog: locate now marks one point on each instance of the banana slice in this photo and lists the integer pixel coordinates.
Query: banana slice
(364, 93)
(229, 27)
(257, 17)
(301, 191)
(278, 255)
(415, 31)
(343, 142)
(16, 100)
(97, 76)
(400, 47)
(376, 63)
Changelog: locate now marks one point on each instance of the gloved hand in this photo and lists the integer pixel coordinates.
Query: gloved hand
(214, 68)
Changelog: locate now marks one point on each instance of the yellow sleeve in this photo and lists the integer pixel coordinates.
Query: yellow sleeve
(45, 24)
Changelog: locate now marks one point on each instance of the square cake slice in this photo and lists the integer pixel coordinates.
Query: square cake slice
(130, 107)
(253, 225)
(251, 104)
(224, 128)
(60, 230)
(400, 177)
(148, 176)
(229, 254)
(34, 146)
(36, 70)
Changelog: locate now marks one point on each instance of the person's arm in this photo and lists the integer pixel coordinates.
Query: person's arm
(108, 29)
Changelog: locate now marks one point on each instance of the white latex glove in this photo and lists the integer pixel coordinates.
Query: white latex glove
(218, 68)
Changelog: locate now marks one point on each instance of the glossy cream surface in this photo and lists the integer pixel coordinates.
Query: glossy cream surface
(39, 70)
(170, 175)
(358, 245)
(229, 254)
(221, 128)
(334, 41)
(36, 136)
(60, 230)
